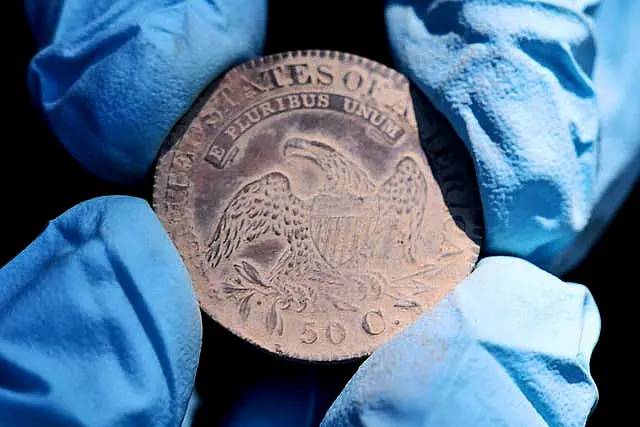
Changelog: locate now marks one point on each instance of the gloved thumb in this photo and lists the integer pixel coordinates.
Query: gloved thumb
(99, 325)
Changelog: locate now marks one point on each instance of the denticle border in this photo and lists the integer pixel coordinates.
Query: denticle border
(373, 66)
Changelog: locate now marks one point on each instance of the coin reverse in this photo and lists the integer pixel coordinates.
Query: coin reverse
(315, 219)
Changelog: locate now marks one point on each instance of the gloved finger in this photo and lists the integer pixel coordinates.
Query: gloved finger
(514, 80)
(99, 325)
(509, 346)
(615, 78)
(112, 77)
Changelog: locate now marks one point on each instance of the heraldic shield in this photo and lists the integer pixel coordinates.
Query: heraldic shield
(341, 227)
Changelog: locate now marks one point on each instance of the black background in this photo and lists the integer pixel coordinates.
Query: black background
(35, 168)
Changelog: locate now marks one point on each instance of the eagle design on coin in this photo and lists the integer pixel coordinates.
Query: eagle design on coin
(330, 239)
(319, 203)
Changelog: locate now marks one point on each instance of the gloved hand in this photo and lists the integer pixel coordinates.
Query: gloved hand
(515, 81)
(511, 344)
(98, 325)
(138, 366)
(98, 322)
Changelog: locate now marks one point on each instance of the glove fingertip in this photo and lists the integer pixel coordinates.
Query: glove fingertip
(100, 308)
(113, 84)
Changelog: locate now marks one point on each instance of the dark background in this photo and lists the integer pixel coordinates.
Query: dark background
(36, 168)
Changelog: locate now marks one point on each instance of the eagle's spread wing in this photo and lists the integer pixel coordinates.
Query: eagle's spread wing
(262, 206)
(403, 198)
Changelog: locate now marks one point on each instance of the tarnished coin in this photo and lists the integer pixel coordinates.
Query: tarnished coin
(300, 198)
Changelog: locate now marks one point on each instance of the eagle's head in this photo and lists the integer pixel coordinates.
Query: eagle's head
(342, 174)
(319, 153)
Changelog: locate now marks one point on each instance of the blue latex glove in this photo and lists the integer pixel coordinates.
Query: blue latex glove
(98, 322)
(617, 85)
(112, 77)
(98, 325)
(509, 347)
(515, 81)
(511, 344)
(513, 78)
(84, 71)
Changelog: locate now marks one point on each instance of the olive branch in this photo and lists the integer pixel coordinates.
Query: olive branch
(246, 286)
